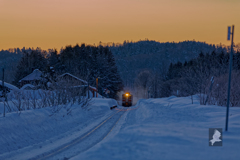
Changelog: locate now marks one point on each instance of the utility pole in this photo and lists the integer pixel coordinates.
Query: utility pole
(88, 79)
(230, 73)
(88, 96)
(4, 96)
(97, 86)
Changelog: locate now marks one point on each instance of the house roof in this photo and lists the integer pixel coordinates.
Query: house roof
(35, 75)
(10, 86)
(73, 77)
(28, 86)
(90, 87)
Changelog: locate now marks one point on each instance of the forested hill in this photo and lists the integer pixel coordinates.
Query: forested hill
(131, 57)
(10, 58)
(134, 57)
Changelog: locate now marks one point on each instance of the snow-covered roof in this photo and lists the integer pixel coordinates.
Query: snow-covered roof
(10, 86)
(73, 77)
(35, 75)
(93, 88)
(28, 86)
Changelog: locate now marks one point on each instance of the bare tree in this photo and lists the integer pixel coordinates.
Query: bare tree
(142, 83)
(219, 93)
(17, 100)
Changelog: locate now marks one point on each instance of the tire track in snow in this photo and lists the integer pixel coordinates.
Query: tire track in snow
(85, 141)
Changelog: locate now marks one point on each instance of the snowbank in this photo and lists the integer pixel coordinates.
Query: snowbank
(10, 86)
(33, 129)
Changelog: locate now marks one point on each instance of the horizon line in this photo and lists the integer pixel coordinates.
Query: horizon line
(110, 44)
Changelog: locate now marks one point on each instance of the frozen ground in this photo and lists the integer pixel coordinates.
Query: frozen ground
(167, 128)
(170, 128)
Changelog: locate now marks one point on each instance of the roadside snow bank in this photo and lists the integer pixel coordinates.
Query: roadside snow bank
(33, 127)
(101, 103)
(170, 128)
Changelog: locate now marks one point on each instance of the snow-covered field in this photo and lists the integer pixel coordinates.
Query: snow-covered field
(166, 128)
(170, 128)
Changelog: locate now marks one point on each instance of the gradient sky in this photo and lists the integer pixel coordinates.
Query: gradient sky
(57, 23)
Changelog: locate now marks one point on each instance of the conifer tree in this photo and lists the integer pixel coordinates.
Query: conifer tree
(29, 62)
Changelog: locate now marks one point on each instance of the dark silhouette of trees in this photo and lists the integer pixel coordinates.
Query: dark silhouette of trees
(30, 61)
(193, 77)
(85, 62)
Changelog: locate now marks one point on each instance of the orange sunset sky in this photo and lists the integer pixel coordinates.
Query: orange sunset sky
(57, 23)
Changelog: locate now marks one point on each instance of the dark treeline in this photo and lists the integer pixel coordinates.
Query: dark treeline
(134, 57)
(148, 68)
(9, 60)
(144, 64)
(85, 62)
(194, 77)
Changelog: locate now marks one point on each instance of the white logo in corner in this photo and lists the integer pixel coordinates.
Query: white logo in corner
(215, 137)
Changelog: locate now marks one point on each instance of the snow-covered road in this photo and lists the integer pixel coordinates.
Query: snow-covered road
(84, 141)
(169, 129)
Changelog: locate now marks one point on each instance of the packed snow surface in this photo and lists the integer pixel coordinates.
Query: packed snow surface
(166, 128)
(170, 129)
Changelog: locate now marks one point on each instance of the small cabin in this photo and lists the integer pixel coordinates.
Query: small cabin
(76, 84)
(35, 78)
(68, 79)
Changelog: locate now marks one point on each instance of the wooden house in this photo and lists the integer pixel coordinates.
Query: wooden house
(68, 80)
(35, 78)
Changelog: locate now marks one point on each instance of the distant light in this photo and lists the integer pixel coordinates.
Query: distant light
(126, 94)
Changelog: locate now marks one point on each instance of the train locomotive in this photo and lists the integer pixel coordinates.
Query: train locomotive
(127, 99)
